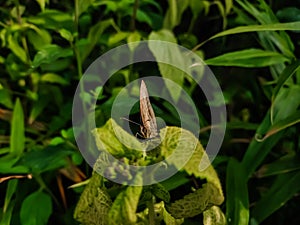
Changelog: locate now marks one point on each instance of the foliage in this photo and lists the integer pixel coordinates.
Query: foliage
(96, 205)
(253, 49)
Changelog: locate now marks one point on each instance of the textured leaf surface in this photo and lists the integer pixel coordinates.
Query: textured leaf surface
(214, 216)
(196, 202)
(94, 203)
(124, 207)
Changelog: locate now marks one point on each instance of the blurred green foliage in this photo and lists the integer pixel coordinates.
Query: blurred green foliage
(252, 47)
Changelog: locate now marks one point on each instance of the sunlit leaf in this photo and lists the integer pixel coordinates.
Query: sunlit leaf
(174, 56)
(123, 210)
(15, 47)
(54, 78)
(214, 216)
(94, 203)
(195, 203)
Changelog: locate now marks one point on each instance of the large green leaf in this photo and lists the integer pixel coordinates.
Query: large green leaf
(36, 209)
(254, 28)
(248, 58)
(174, 57)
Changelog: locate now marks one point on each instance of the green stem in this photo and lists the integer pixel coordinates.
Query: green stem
(42, 184)
(135, 7)
(150, 205)
(79, 71)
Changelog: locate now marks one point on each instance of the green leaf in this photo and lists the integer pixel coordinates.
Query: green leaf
(254, 28)
(11, 189)
(123, 210)
(50, 54)
(17, 11)
(241, 125)
(282, 124)
(284, 164)
(117, 38)
(50, 158)
(174, 57)
(53, 19)
(94, 35)
(170, 220)
(83, 5)
(214, 216)
(36, 209)
(66, 35)
(237, 203)
(54, 78)
(6, 217)
(134, 37)
(38, 107)
(174, 13)
(7, 165)
(248, 58)
(5, 98)
(286, 103)
(142, 16)
(288, 14)
(284, 76)
(284, 188)
(42, 4)
(195, 203)
(175, 181)
(258, 150)
(106, 140)
(160, 192)
(13, 44)
(39, 39)
(17, 137)
(94, 203)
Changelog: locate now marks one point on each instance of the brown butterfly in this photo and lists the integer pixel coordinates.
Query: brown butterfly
(149, 126)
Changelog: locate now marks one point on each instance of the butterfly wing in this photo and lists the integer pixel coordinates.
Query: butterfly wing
(149, 129)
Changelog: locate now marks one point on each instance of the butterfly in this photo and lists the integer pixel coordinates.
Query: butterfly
(149, 125)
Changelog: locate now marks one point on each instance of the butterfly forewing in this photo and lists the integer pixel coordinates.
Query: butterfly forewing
(149, 128)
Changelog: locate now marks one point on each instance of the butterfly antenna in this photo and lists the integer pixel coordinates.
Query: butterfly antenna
(123, 118)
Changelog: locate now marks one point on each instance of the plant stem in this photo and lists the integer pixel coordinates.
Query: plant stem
(151, 213)
(135, 7)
